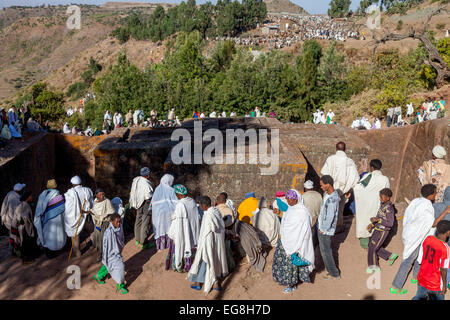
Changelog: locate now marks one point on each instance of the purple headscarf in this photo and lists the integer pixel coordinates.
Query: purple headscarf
(291, 194)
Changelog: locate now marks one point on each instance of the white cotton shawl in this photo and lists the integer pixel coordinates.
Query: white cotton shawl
(75, 198)
(417, 224)
(184, 229)
(11, 201)
(296, 234)
(343, 171)
(101, 210)
(52, 243)
(211, 248)
(367, 201)
(141, 190)
(268, 223)
(163, 205)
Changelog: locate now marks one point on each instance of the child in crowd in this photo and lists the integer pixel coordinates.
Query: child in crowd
(432, 277)
(382, 224)
(113, 243)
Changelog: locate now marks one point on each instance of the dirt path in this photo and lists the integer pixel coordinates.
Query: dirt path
(147, 279)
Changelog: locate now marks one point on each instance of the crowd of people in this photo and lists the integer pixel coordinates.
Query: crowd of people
(300, 28)
(254, 113)
(15, 122)
(430, 109)
(137, 119)
(207, 239)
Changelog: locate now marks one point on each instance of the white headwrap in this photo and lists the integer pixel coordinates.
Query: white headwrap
(19, 186)
(308, 184)
(75, 180)
(163, 205)
(439, 152)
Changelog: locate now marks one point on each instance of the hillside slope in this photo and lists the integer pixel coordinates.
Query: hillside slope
(277, 6)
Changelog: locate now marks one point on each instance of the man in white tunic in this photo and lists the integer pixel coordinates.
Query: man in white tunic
(210, 263)
(212, 114)
(367, 200)
(107, 120)
(345, 176)
(184, 231)
(75, 198)
(140, 198)
(117, 120)
(49, 219)
(66, 128)
(418, 223)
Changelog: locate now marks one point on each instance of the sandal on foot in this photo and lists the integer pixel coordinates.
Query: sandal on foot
(392, 259)
(137, 243)
(371, 269)
(218, 288)
(198, 288)
(144, 246)
(414, 281)
(397, 291)
(121, 289)
(98, 280)
(289, 289)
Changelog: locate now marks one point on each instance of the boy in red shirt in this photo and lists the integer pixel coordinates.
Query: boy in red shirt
(432, 277)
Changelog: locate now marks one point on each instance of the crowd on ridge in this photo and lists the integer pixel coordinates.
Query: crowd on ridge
(300, 28)
(206, 238)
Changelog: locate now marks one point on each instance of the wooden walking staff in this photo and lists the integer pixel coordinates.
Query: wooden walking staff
(78, 224)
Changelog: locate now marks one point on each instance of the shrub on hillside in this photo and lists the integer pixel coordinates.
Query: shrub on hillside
(76, 90)
(77, 120)
(49, 105)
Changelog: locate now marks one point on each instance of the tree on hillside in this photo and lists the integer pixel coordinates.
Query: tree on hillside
(308, 63)
(332, 74)
(222, 55)
(339, 8)
(204, 22)
(434, 58)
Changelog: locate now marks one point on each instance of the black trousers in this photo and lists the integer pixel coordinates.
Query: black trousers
(375, 248)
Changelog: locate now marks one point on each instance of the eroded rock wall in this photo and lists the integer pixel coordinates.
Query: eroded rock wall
(403, 150)
(33, 165)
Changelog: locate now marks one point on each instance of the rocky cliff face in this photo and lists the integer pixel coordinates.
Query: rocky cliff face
(111, 162)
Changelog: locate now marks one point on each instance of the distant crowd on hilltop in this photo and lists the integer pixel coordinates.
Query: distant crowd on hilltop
(299, 28)
(429, 109)
(138, 119)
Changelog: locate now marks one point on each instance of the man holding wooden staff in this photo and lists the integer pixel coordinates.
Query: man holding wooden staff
(78, 199)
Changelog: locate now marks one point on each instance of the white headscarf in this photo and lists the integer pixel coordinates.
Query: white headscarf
(296, 234)
(163, 205)
(439, 152)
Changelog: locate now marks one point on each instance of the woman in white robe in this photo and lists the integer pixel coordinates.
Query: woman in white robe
(184, 232)
(163, 205)
(296, 242)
